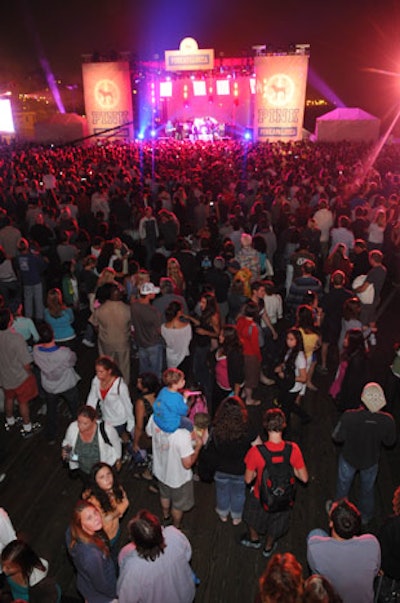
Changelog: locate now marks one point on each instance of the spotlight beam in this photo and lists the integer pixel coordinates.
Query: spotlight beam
(381, 71)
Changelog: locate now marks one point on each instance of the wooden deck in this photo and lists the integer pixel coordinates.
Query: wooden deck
(39, 496)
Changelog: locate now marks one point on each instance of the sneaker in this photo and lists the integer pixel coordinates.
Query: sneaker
(223, 518)
(2, 477)
(250, 544)
(268, 552)
(88, 343)
(237, 521)
(36, 428)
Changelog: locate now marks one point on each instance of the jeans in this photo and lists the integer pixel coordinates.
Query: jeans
(33, 296)
(151, 359)
(231, 494)
(346, 475)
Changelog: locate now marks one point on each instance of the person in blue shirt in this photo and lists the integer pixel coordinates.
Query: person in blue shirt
(170, 408)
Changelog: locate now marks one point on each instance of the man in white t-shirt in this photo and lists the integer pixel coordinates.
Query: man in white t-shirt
(324, 220)
(173, 458)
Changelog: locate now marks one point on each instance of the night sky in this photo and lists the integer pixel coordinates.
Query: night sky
(347, 36)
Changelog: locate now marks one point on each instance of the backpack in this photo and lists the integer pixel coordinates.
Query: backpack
(277, 489)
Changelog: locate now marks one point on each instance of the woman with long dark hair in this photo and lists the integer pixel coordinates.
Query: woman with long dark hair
(108, 496)
(229, 373)
(110, 392)
(148, 386)
(89, 549)
(206, 331)
(230, 440)
(26, 574)
(338, 260)
(177, 335)
(311, 340)
(292, 375)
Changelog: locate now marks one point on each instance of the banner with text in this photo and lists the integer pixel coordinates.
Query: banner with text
(280, 97)
(108, 99)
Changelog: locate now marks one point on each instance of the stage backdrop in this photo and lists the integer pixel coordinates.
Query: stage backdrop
(108, 98)
(280, 96)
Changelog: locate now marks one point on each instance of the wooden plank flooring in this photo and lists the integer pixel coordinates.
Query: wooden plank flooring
(39, 496)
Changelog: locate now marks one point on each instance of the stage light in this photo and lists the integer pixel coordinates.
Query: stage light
(141, 136)
(153, 133)
(247, 136)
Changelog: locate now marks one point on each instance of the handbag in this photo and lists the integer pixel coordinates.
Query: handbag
(288, 380)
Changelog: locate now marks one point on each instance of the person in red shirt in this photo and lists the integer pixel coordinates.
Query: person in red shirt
(248, 331)
(259, 521)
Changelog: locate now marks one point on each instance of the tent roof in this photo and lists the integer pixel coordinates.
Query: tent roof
(349, 113)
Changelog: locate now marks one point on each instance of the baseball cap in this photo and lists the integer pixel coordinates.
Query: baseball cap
(373, 397)
(149, 289)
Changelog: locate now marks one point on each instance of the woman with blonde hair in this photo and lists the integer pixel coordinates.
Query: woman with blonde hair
(108, 496)
(174, 272)
(60, 318)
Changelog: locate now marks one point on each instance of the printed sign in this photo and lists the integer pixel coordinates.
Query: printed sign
(280, 96)
(108, 98)
(189, 57)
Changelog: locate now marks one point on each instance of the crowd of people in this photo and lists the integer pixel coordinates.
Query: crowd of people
(206, 274)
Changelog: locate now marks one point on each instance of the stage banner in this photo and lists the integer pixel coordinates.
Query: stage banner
(189, 57)
(108, 99)
(280, 96)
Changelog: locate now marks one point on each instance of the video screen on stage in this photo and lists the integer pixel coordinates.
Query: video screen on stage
(223, 88)
(165, 89)
(199, 88)
(6, 117)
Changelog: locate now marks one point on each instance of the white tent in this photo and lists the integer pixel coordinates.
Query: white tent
(347, 124)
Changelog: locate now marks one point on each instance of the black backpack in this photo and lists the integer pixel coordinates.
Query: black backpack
(277, 489)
